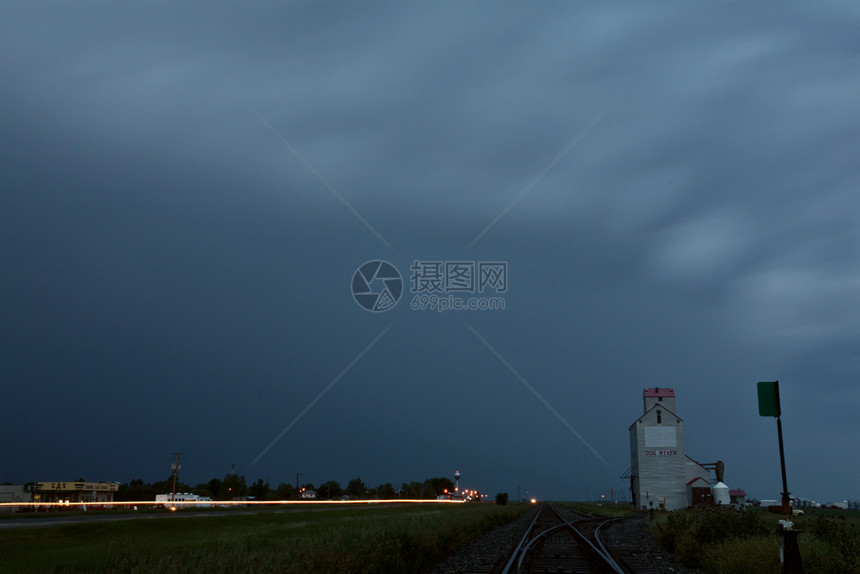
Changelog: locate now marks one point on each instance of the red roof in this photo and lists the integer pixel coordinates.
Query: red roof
(660, 392)
(737, 493)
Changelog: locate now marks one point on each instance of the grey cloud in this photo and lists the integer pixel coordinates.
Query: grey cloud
(159, 237)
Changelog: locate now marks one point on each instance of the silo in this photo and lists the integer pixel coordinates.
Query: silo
(721, 494)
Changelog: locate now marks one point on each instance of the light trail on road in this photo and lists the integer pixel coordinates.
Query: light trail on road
(220, 503)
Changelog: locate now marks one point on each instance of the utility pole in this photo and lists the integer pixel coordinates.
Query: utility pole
(175, 467)
(298, 474)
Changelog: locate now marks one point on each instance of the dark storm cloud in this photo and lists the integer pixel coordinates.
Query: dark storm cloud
(160, 240)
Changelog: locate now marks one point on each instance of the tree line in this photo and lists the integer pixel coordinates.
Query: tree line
(234, 486)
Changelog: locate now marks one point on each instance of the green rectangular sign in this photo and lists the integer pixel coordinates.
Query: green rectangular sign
(768, 399)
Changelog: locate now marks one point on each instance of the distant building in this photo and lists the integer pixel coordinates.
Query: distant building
(661, 474)
(10, 493)
(309, 494)
(450, 496)
(183, 497)
(88, 492)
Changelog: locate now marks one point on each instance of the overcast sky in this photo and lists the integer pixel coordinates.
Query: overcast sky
(187, 189)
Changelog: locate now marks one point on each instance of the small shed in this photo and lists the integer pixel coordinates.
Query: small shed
(738, 498)
(699, 492)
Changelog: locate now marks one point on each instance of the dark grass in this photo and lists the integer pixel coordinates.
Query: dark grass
(726, 541)
(408, 538)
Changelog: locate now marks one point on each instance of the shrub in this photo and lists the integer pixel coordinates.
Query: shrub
(671, 527)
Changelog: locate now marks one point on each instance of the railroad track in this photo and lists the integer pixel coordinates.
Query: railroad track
(561, 540)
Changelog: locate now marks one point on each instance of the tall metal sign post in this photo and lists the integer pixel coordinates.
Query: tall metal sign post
(768, 406)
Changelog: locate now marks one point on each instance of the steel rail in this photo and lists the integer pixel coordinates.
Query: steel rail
(539, 535)
(602, 552)
(607, 555)
(530, 538)
(518, 548)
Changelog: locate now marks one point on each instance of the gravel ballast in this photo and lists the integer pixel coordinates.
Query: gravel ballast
(633, 533)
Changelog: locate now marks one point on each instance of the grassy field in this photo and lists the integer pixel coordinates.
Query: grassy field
(409, 538)
(732, 542)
